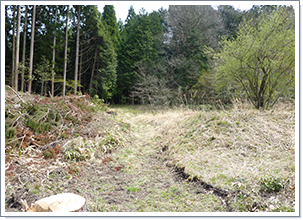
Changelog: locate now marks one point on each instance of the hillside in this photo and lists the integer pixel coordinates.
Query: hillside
(138, 159)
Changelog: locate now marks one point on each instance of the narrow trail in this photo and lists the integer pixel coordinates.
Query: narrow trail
(158, 187)
(155, 187)
(138, 159)
(132, 178)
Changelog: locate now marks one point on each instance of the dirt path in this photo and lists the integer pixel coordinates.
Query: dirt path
(147, 160)
(134, 177)
(146, 184)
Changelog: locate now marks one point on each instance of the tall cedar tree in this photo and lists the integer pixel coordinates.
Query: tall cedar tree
(24, 50)
(111, 26)
(77, 50)
(14, 48)
(17, 48)
(30, 78)
(138, 47)
(54, 53)
(65, 50)
(98, 57)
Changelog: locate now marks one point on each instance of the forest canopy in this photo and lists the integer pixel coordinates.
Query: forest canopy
(189, 54)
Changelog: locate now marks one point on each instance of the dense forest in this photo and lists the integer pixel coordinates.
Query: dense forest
(184, 55)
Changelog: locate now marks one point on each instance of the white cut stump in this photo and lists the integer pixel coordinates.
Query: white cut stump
(65, 202)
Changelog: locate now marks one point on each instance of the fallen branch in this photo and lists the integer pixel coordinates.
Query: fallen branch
(13, 140)
(7, 100)
(50, 144)
(20, 179)
(66, 144)
(18, 118)
(22, 141)
(44, 115)
(82, 96)
(16, 94)
(37, 145)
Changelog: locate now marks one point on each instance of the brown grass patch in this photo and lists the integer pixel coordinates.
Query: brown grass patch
(232, 148)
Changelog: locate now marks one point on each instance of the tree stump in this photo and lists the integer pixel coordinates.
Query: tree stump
(65, 202)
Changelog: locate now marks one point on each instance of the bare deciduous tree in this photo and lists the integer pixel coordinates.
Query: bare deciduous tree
(191, 28)
(150, 88)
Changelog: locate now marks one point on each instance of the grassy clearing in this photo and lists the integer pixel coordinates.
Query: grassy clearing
(238, 148)
(126, 162)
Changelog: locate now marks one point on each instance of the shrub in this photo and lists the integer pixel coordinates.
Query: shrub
(271, 184)
(77, 154)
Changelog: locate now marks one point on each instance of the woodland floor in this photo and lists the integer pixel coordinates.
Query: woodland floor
(144, 160)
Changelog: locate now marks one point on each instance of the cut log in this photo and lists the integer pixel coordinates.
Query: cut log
(65, 202)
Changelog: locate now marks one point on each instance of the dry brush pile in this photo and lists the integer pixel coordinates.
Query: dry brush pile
(48, 142)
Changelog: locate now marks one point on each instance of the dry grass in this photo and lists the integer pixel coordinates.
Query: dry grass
(232, 149)
(131, 167)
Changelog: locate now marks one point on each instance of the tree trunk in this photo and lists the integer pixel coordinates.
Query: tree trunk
(32, 51)
(93, 70)
(80, 67)
(24, 48)
(65, 52)
(13, 49)
(17, 48)
(54, 56)
(42, 88)
(77, 52)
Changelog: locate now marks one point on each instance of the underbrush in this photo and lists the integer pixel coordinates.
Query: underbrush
(51, 142)
(35, 120)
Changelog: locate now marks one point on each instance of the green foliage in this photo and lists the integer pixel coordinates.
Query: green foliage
(48, 154)
(132, 189)
(98, 43)
(43, 70)
(42, 117)
(111, 140)
(231, 19)
(204, 90)
(38, 126)
(10, 132)
(284, 209)
(98, 104)
(270, 184)
(69, 83)
(140, 45)
(77, 154)
(243, 203)
(260, 63)
(171, 45)
(111, 26)
(105, 80)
